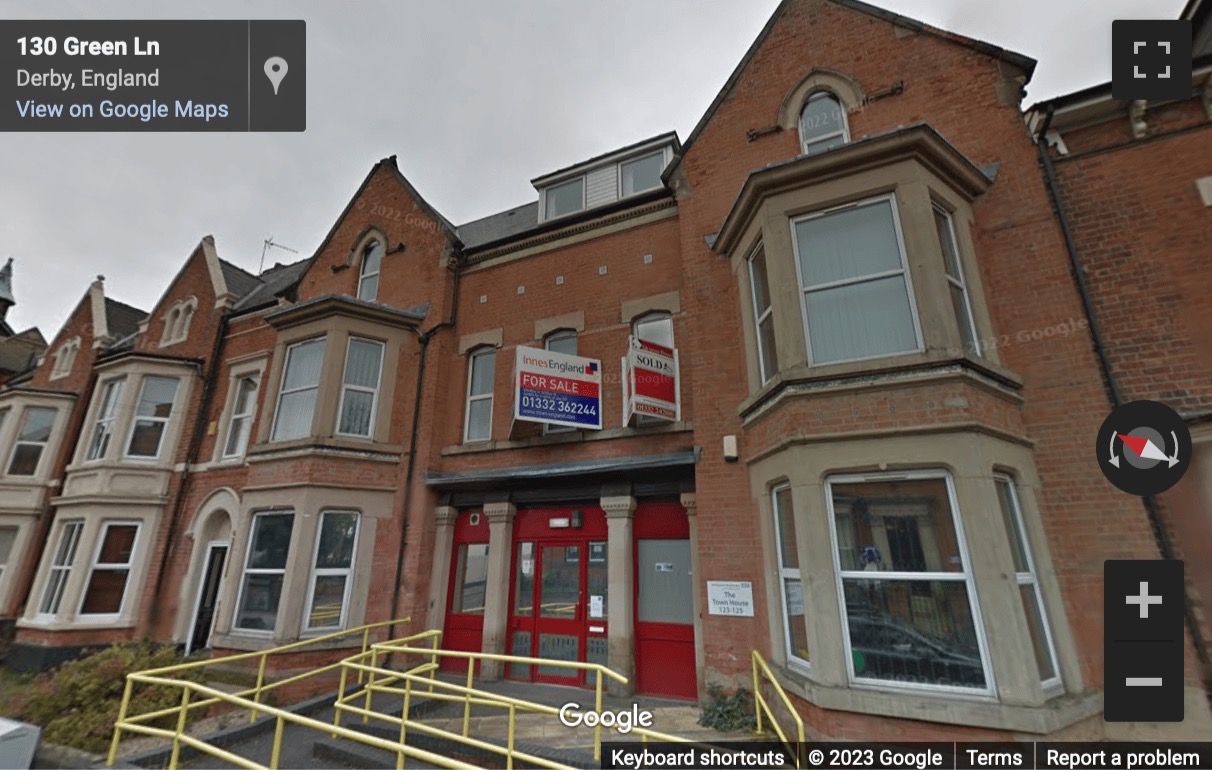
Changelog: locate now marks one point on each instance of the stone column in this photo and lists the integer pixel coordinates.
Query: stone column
(496, 593)
(690, 503)
(439, 576)
(620, 572)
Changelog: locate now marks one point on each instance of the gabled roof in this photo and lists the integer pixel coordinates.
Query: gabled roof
(121, 319)
(239, 281)
(1019, 60)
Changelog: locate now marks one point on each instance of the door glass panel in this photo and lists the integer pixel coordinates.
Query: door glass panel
(523, 585)
(598, 581)
(561, 586)
(471, 577)
(665, 585)
(597, 650)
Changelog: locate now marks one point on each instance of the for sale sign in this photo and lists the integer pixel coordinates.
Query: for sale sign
(557, 389)
(651, 382)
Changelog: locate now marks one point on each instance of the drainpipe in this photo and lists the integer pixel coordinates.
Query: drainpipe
(195, 444)
(1164, 543)
(424, 338)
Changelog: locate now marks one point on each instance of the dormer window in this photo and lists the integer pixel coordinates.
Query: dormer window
(822, 124)
(372, 260)
(566, 198)
(641, 174)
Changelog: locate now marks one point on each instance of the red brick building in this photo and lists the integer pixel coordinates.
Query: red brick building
(876, 469)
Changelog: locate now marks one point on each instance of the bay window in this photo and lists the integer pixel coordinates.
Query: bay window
(857, 296)
(791, 587)
(909, 609)
(107, 580)
(152, 414)
(332, 571)
(1027, 581)
(60, 566)
(32, 438)
(360, 388)
(107, 414)
(957, 289)
(763, 315)
(264, 571)
(8, 535)
(300, 384)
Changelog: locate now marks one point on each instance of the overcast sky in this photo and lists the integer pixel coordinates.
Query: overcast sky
(475, 98)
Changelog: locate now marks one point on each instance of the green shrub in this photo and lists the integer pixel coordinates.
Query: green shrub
(77, 703)
(728, 713)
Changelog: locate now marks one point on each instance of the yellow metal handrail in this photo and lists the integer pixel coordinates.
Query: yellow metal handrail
(179, 738)
(760, 705)
(124, 722)
(384, 681)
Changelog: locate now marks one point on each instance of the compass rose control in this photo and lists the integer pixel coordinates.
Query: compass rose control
(1144, 448)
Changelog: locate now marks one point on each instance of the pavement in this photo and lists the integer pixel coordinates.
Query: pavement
(539, 734)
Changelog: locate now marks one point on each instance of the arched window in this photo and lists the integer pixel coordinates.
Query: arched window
(65, 356)
(176, 321)
(822, 124)
(368, 283)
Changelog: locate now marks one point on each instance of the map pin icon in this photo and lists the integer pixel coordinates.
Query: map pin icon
(275, 70)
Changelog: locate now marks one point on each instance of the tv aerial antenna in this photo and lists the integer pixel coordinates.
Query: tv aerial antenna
(269, 244)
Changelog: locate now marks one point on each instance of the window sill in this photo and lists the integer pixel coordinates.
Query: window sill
(1058, 712)
(907, 369)
(363, 448)
(573, 437)
(75, 623)
(248, 642)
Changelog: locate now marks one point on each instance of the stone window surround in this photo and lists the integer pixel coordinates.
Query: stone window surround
(65, 357)
(177, 321)
(252, 366)
(69, 618)
(211, 524)
(17, 403)
(135, 370)
(919, 171)
(972, 459)
(16, 557)
(308, 502)
(336, 328)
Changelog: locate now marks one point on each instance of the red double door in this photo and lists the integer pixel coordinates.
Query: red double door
(559, 595)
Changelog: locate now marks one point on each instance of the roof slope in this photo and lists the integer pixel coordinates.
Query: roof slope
(272, 283)
(121, 319)
(239, 281)
(495, 227)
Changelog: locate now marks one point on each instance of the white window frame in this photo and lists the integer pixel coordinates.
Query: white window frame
(42, 445)
(110, 567)
(363, 275)
(5, 558)
(136, 417)
(900, 243)
(70, 532)
(317, 572)
(471, 365)
(844, 132)
(960, 282)
(658, 153)
(759, 315)
(105, 421)
(559, 334)
(245, 571)
(374, 392)
(1031, 578)
(788, 573)
(583, 182)
(966, 576)
(244, 431)
(282, 391)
